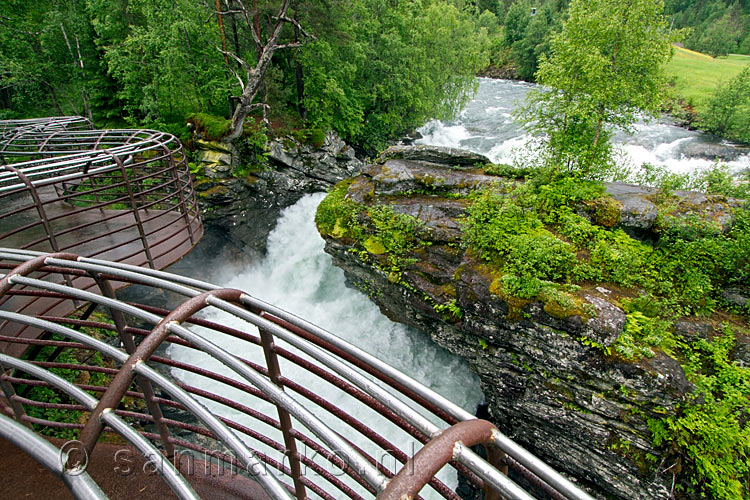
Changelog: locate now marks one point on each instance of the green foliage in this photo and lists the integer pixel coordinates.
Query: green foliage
(605, 69)
(252, 147)
(209, 126)
(493, 220)
(380, 69)
(533, 233)
(163, 56)
(398, 235)
(535, 43)
(717, 26)
(378, 231)
(727, 112)
(716, 179)
(451, 311)
(711, 431)
(642, 334)
(516, 20)
(509, 171)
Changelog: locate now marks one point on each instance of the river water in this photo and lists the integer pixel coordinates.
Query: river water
(298, 276)
(486, 126)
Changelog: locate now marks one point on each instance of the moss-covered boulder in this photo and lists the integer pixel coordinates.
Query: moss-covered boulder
(594, 315)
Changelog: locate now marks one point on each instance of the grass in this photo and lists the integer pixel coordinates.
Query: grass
(696, 75)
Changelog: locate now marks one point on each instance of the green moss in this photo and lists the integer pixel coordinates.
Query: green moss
(336, 216)
(374, 245)
(605, 211)
(209, 126)
(560, 304)
(220, 190)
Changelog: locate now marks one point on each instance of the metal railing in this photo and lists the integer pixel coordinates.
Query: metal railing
(121, 195)
(226, 375)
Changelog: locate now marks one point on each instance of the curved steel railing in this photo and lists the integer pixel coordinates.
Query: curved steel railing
(229, 376)
(121, 195)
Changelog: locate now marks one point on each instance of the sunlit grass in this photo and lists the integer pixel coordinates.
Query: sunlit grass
(696, 75)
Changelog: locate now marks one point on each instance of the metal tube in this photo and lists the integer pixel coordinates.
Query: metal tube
(285, 421)
(80, 485)
(269, 482)
(332, 439)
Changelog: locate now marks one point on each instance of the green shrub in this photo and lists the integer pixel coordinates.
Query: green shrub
(492, 220)
(619, 257)
(711, 431)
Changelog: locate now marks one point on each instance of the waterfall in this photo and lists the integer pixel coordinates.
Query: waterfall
(298, 276)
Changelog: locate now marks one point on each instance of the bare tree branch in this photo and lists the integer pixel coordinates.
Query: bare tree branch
(296, 24)
(10, 27)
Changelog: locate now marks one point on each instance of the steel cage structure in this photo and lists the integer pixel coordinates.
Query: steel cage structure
(218, 373)
(120, 195)
(132, 340)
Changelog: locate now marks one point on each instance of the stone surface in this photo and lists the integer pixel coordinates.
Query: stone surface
(435, 154)
(546, 377)
(245, 209)
(736, 296)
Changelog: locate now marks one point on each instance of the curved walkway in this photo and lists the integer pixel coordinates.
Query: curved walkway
(120, 195)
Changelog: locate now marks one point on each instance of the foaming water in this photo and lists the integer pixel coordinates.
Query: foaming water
(486, 126)
(298, 276)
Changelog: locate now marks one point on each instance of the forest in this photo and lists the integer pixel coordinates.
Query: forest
(373, 70)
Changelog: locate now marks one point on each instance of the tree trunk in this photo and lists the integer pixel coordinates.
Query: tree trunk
(222, 34)
(298, 72)
(256, 76)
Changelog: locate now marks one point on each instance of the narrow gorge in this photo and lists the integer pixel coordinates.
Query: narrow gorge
(555, 364)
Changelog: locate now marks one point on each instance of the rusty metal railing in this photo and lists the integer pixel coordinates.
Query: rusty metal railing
(226, 375)
(121, 195)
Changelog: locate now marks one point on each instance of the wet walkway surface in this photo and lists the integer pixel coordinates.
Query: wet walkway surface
(121, 473)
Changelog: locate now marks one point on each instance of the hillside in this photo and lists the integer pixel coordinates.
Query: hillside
(696, 75)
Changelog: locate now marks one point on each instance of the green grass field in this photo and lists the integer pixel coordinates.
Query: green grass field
(696, 75)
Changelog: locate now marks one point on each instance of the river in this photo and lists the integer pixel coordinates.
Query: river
(297, 275)
(486, 126)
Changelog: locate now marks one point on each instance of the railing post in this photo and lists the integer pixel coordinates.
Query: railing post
(129, 343)
(180, 194)
(274, 373)
(134, 206)
(9, 394)
(39, 207)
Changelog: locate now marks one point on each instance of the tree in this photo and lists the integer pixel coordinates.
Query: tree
(382, 68)
(535, 42)
(47, 58)
(720, 37)
(606, 70)
(728, 110)
(255, 73)
(516, 21)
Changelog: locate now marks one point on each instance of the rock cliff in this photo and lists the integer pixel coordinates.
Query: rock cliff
(245, 208)
(547, 370)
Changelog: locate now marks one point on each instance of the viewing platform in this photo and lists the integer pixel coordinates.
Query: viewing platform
(217, 394)
(120, 195)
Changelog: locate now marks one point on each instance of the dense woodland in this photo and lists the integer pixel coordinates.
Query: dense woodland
(371, 69)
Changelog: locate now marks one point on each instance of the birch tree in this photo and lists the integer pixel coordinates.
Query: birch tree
(605, 71)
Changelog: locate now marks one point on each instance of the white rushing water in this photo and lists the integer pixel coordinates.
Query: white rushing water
(298, 276)
(487, 126)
